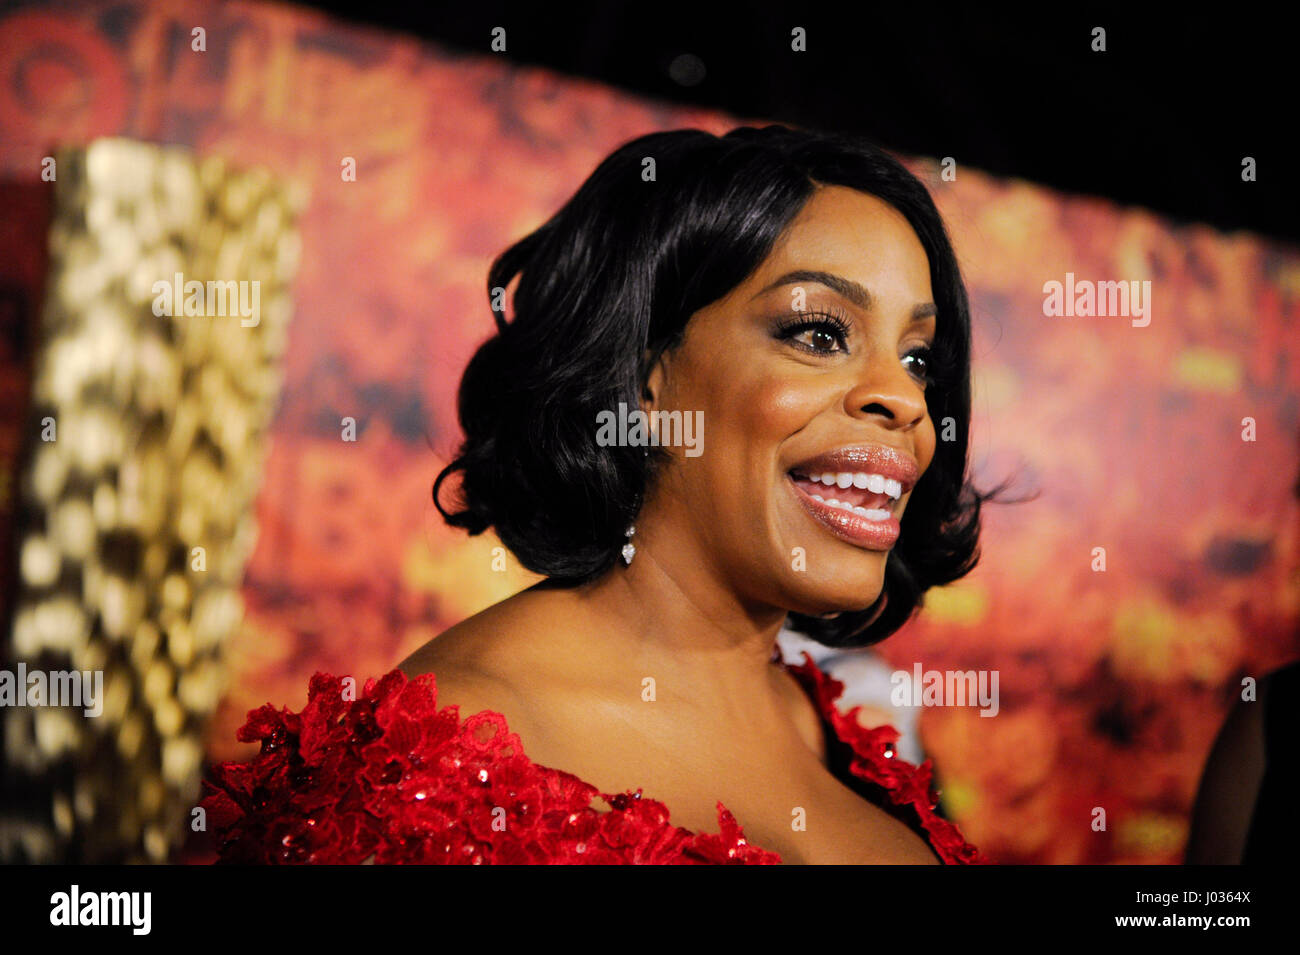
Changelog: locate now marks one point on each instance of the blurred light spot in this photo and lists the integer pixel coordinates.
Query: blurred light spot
(687, 69)
(961, 605)
(1206, 369)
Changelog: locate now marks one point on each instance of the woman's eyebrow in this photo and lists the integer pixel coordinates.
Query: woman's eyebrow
(846, 288)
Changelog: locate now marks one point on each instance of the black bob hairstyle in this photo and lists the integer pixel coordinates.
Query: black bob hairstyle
(608, 284)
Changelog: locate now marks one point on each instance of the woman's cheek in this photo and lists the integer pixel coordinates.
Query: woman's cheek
(784, 407)
(925, 443)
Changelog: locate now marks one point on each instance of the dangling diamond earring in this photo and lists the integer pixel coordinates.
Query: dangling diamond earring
(629, 549)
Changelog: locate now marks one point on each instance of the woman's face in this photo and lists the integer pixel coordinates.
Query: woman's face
(789, 397)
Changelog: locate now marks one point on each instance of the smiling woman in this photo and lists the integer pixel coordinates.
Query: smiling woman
(796, 293)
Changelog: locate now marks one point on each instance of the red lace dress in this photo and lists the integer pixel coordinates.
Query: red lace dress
(392, 776)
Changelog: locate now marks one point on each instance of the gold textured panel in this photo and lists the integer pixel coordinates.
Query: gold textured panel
(145, 451)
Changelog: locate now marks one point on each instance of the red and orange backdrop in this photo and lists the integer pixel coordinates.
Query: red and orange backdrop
(1113, 682)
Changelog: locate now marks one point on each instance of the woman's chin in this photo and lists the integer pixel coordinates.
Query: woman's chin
(832, 601)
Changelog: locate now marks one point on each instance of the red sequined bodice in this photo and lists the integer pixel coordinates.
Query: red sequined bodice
(390, 775)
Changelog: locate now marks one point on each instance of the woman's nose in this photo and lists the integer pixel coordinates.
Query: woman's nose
(888, 392)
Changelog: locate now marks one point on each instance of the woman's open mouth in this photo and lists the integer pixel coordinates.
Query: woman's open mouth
(855, 493)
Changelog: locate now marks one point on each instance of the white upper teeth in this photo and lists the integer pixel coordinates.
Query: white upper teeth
(875, 483)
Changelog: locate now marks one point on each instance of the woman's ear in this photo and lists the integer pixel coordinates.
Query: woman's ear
(653, 390)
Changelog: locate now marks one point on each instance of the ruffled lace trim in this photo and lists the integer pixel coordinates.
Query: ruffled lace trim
(390, 776)
(873, 759)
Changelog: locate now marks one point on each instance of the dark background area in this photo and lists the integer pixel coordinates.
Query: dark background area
(1161, 119)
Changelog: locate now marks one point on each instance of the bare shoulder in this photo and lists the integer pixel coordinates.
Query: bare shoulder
(494, 660)
(463, 673)
(468, 688)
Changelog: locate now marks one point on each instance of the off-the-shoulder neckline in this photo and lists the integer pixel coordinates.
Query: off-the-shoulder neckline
(871, 759)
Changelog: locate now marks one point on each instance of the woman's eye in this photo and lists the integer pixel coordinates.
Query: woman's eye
(922, 364)
(821, 337)
(827, 335)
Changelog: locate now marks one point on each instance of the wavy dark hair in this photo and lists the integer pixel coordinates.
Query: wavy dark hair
(607, 285)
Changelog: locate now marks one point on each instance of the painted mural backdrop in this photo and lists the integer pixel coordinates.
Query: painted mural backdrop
(1113, 681)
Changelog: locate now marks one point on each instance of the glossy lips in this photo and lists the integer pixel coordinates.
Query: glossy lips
(853, 492)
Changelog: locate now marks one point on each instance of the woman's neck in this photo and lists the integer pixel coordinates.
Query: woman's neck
(683, 623)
